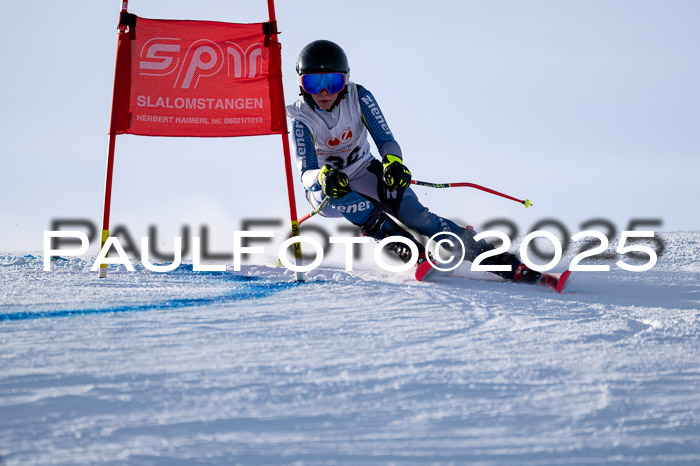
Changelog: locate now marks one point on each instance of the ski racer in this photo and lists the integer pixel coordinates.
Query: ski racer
(330, 124)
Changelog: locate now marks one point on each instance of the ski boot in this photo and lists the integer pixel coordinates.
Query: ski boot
(523, 274)
(519, 272)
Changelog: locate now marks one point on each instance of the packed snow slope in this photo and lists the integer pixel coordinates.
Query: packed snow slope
(361, 367)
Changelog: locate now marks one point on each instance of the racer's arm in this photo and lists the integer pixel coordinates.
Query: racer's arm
(375, 122)
(395, 174)
(305, 155)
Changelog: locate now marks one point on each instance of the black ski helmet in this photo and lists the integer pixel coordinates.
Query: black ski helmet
(322, 56)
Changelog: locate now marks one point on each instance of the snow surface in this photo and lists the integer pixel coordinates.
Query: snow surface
(361, 367)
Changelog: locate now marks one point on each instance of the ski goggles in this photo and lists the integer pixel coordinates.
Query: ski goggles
(316, 82)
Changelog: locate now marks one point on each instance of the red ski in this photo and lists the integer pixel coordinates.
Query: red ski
(556, 281)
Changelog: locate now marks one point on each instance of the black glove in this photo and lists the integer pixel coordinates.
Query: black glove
(396, 175)
(334, 183)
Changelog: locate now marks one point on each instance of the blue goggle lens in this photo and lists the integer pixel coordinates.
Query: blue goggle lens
(315, 83)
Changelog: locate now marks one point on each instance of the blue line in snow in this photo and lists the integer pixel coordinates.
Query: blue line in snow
(244, 291)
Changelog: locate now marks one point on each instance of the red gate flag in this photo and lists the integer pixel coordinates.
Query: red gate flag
(198, 78)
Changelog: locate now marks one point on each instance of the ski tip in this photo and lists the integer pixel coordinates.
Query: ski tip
(562, 281)
(556, 281)
(423, 271)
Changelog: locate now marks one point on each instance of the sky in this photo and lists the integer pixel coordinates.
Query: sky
(591, 109)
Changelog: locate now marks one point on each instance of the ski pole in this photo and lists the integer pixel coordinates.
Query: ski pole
(318, 209)
(315, 211)
(526, 202)
(312, 213)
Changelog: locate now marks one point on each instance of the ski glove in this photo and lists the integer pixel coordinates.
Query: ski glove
(396, 175)
(334, 183)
